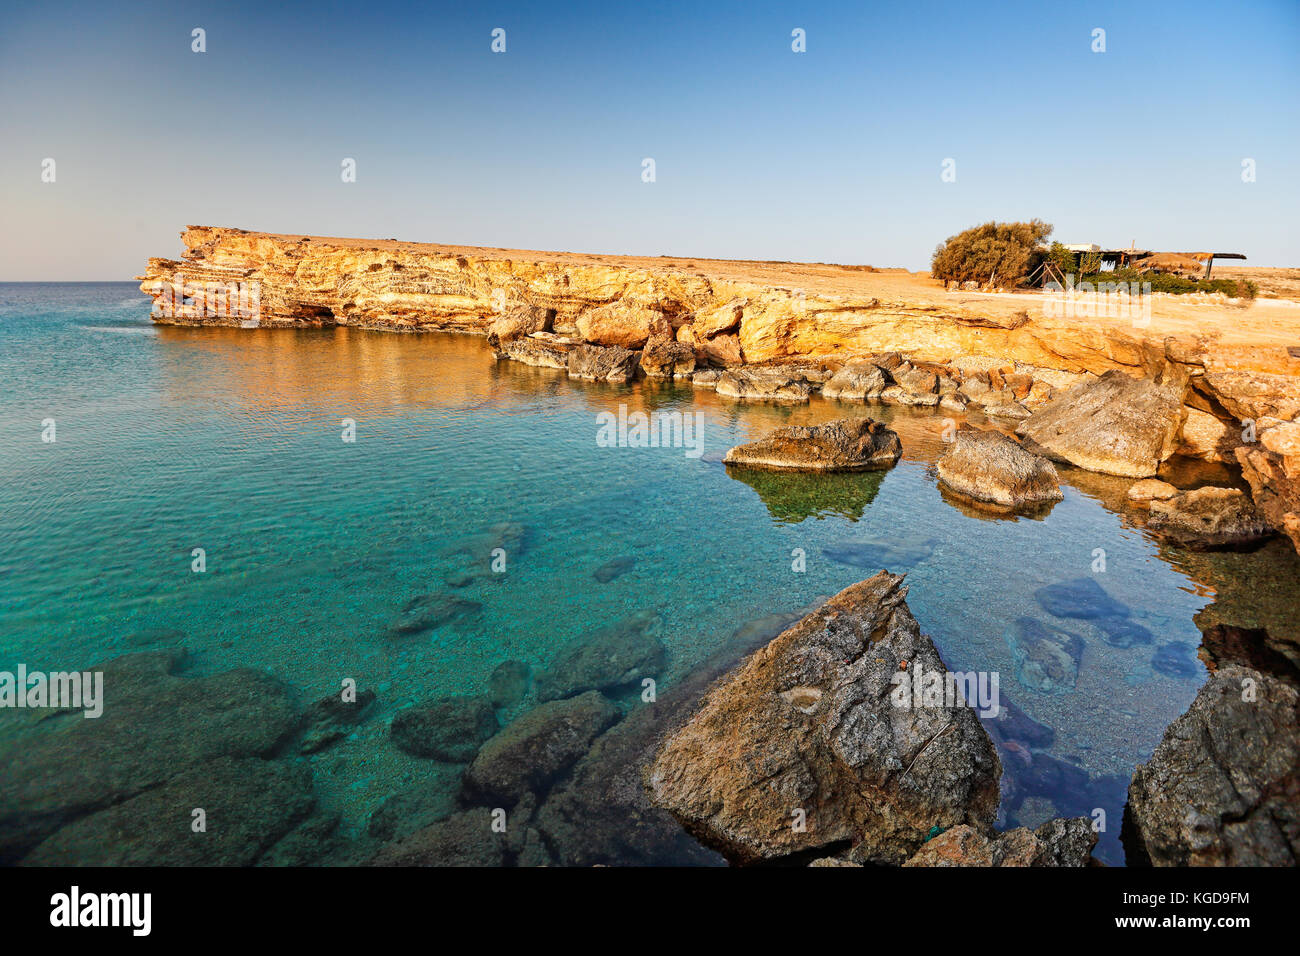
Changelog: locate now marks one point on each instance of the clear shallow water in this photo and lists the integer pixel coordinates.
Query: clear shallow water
(171, 439)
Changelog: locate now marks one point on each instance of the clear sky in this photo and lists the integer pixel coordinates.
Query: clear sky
(834, 154)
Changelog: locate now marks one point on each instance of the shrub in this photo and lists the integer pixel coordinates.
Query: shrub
(996, 253)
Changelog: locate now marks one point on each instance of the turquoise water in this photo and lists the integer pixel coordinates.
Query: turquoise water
(171, 439)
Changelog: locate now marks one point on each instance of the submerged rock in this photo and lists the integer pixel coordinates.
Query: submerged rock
(803, 746)
(156, 725)
(462, 839)
(434, 797)
(988, 466)
(1209, 519)
(596, 363)
(532, 751)
(846, 444)
(1223, 786)
(449, 728)
(613, 568)
(1176, 659)
(1085, 600)
(1047, 658)
(247, 806)
(1116, 425)
(876, 555)
(1151, 489)
(425, 612)
(509, 683)
(605, 658)
(1055, 843)
(332, 718)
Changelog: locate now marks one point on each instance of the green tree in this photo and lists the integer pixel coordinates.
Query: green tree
(995, 253)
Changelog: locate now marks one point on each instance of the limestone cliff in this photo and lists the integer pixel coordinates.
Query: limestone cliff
(866, 335)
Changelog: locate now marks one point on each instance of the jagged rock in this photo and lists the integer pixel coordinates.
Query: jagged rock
(1274, 481)
(1208, 437)
(1209, 518)
(534, 749)
(1223, 786)
(1176, 659)
(856, 382)
(1117, 425)
(619, 655)
(600, 364)
(766, 385)
(1055, 843)
(509, 683)
(156, 724)
(1047, 658)
(845, 444)
(521, 321)
(618, 324)
(248, 805)
(332, 718)
(990, 467)
(1249, 394)
(706, 378)
(724, 350)
(668, 359)
(532, 351)
(718, 319)
(1085, 600)
(462, 839)
(1151, 489)
(808, 723)
(899, 395)
(1007, 410)
(448, 728)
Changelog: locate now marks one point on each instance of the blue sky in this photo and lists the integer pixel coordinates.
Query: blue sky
(834, 154)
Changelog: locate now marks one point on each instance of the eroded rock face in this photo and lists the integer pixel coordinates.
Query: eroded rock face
(764, 385)
(1275, 486)
(990, 467)
(845, 444)
(1209, 518)
(531, 351)
(1223, 786)
(1117, 425)
(1056, 843)
(806, 729)
(599, 364)
(521, 321)
(619, 324)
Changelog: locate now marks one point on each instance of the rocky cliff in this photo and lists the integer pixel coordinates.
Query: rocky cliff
(864, 335)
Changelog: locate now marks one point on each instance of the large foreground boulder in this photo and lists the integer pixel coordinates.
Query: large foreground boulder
(812, 742)
(1223, 786)
(1117, 425)
(989, 467)
(846, 444)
